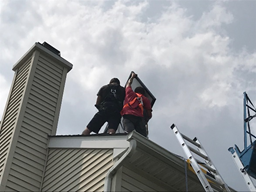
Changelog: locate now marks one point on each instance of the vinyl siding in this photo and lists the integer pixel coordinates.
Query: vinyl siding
(11, 112)
(39, 116)
(134, 181)
(77, 169)
(31, 115)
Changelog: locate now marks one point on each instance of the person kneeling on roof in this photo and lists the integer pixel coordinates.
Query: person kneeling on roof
(133, 110)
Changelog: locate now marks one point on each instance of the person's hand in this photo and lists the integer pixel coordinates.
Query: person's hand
(134, 75)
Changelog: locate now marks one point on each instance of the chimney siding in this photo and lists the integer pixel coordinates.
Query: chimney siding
(31, 114)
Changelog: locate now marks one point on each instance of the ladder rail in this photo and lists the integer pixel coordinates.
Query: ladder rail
(203, 177)
(213, 166)
(207, 187)
(241, 169)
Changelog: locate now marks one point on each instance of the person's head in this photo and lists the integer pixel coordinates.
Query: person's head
(140, 90)
(114, 80)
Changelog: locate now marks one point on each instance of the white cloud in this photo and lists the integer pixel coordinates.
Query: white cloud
(187, 64)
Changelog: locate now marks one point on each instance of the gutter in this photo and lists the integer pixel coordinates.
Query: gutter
(111, 172)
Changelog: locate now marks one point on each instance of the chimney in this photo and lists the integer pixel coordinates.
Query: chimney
(31, 114)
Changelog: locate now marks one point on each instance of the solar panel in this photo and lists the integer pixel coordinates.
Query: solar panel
(138, 83)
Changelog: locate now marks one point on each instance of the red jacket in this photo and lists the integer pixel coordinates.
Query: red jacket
(134, 109)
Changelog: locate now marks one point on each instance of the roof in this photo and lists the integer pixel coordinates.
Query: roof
(148, 156)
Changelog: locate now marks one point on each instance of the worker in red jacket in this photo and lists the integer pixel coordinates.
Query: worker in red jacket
(136, 110)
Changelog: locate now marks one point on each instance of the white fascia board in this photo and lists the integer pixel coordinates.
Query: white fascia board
(93, 142)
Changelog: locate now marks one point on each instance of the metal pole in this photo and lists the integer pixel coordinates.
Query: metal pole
(245, 123)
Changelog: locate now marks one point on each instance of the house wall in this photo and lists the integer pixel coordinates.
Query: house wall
(129, 178)
(31, 114)
(77, 169)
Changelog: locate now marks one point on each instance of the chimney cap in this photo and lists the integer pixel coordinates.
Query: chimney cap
(51, 48)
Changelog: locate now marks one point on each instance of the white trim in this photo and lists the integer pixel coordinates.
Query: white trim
(115, 142)
(40, 47)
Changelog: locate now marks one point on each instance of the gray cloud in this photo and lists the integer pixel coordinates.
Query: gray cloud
(185, 53)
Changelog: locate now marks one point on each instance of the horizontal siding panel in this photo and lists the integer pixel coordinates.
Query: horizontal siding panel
(18, 88)
(131, 177)
(46, 81)
(43, 98)
(22, 76)
(33, 180)
(24, 68)
(44, 104)
(50, 64)
(32, 154)
(131, 187)
(46, 76)
(24, 169)
(35, 136)
(97, 186)
(12, 186)
(7, 129)
(5, 138)
(25, 159)
(2, 160)
(95, 179)
(68, 173)
(124, 189)
(33, 141)
(10, 119)
(38, 121)
(84, 174)
(51, 73)
(15, 102)
(25, 65)
(41, 129)
(19, 185)
(32, 158)
(5, 144)
(40, 83)
(41, 89)
(11, 110)
(62, 177)
(60, 165)
(128, 180)
(39, 116)
(19, 85)
(8, 189)
(28, 146)
(3, 154)
(41, 92)
(41, 111)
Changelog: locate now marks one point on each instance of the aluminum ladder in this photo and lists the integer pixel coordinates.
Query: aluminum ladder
(206, 172)
(242, 170)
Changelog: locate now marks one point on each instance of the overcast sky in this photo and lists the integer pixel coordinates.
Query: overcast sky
(197, 57)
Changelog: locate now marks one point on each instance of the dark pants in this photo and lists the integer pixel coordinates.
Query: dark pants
(132, 122)
(100, 118)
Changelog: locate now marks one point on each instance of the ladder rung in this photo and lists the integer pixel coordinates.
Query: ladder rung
(207, 166)
(214, 180)
(198, 153)
(190, 140)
